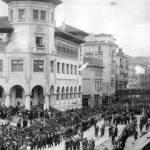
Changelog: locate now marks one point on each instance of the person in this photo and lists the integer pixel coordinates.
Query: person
(135, 135)
(19, 124)
(93, 144)
(78, 144)
(110, 130)
(25, 123)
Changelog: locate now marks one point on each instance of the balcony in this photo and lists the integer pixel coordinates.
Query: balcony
(94, 61)
(40, 50)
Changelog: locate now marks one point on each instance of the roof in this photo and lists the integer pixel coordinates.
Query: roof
(67, 36)
(5, 26)
(55, 2)
(75, 31)
(91, 43)
(104, 34)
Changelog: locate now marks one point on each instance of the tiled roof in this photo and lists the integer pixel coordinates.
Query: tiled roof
(55, 2)
(65, 35)
(75, 31)
(5, 26)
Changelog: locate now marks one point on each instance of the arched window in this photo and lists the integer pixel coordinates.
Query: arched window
(75, 92)
(67, 93)
(71, 93)
(63, 93)
(58, 93)
(52, 90)
(79, 92)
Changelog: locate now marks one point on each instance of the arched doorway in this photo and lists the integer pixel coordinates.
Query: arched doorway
(2, 100)
(52, 96)
(17, 95)
(37, 96)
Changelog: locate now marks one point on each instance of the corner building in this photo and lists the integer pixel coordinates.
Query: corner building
(38, 62)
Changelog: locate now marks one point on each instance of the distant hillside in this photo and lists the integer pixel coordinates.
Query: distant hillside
(144, 61)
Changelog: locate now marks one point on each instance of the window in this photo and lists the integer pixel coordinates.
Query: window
(58, 67)
(52, 17)
(95, 85)
(63, 68)
(99, 48)
(1, 92)
(67, 68)
(19, 92)
(11, 15)
(35, 14)
(1, 65)
(39, 41)
(75, 69)
(38, 66)
(17, 65)
(71, 69)
(21, 14)
(43, 15)
(52, 66)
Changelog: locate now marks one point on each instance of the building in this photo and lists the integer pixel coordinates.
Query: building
(38, 62)
(92, 73)
(92, 78)
(106, 48)
(122, 70)
(132, 77)
(144, 78)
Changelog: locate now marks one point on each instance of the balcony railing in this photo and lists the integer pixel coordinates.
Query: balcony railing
(41, 50)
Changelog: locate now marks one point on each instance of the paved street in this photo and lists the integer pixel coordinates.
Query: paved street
(100, 142)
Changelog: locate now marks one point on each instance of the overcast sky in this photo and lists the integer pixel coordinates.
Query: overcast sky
(128, 20)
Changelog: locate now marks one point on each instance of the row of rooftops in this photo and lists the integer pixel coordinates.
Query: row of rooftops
(55, 2)
(65, 31)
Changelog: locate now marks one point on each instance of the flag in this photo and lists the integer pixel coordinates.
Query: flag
(83, 67)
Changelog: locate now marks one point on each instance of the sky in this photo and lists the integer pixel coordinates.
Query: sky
(127, 20)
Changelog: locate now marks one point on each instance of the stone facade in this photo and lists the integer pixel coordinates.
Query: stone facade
(29, 73)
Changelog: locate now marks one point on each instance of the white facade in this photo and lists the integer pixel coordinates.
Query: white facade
(92, 74)
(26, 74)
(106, 44)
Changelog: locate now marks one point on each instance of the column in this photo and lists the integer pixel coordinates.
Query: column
(28, 102)
(7, 100)
(46, 102)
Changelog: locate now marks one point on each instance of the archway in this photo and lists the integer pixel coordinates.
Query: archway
(38, 95)
(2, 100)
(17, 95)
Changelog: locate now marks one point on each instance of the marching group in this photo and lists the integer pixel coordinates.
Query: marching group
(55, 126)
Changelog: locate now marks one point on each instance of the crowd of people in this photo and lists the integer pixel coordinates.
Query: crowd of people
(40, 128)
